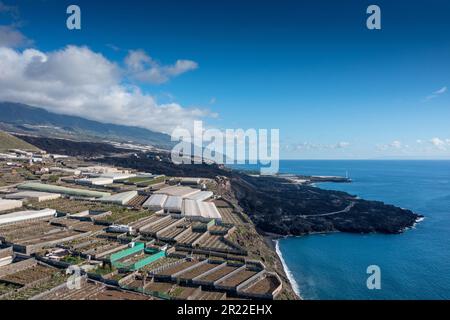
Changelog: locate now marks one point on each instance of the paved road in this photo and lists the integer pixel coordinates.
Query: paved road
(347, 209)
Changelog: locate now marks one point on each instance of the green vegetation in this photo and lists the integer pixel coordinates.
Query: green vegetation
(74, 260)
(26, 293)
(75, 206)
(137, 179)
(8, 141)
(53, 178)
(125, 216)
(176, 292)
(145, 181)
(103, 270)
(7, 287)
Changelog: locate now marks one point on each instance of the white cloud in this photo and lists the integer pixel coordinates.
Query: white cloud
(316, 146)
(439, 143)
(342, 144)
(396, 144)
(77, 81)
(144, 68)
(436, 93)
(441, 90)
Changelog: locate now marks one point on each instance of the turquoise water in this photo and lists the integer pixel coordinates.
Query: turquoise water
(414, 265)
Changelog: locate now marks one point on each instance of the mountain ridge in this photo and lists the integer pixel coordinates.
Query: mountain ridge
(22, 118)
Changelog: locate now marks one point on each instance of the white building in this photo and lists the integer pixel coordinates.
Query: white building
(26, 215)
(178, 191)
(120, 198)
(33, 195)
(155, 202)
(173, 204)
(200, 210)
(117, 176)
(209, 210)
(190, 208)
(6, 205)
(201, 196)
(101, 169)
(95, 181)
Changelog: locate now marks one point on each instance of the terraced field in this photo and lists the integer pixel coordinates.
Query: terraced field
(7, 287)
(60, 234)
(221, 229)
(189, 237)
(176, 268)
(191, 274)
(158, 263)
(93, 291)
(182, 293)
(159, 286)
(216, 275)
(215, 242)
(101, 247)
(144, 222)
(125, 216)
(229, 217)
(73, 206)
(171, 233)
(211, 295)
(15, 232)
(137, 201)
(265, 285)
(159, 226)
(238, 278)
(55, 279)
(29, 275)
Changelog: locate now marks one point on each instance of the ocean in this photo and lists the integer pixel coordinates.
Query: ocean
(413, 265)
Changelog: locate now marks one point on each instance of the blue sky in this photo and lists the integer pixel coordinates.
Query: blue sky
(310, 68)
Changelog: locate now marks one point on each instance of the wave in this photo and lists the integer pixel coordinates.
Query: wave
(288, 272)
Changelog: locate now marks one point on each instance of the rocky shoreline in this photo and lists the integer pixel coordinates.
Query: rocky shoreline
(274, 204)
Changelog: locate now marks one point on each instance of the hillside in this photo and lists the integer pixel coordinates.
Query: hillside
(25, 119)
(8, 141)
(74, 148)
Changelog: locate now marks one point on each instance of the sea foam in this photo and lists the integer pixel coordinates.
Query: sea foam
(288, 272)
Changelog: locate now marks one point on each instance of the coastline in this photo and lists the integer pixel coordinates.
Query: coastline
(286, 269)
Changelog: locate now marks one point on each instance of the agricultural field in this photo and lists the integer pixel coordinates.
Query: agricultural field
(189, 237)
(176, 268)
(125, 216)
(238, 278)
(182, 293)
(74, 206)
(229, 217)
(29, 275)
(191, 274)
(211, 295)
(7, 287)
(216, 275)
(265, 285)
(158, 263)
(28, 292)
